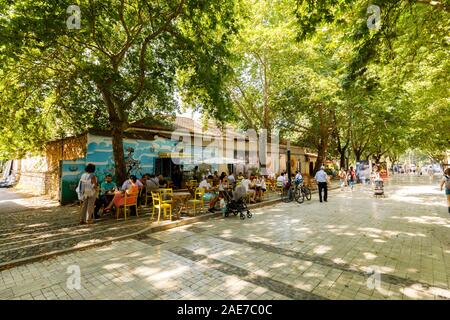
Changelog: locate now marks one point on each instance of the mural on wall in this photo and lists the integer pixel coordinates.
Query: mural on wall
(132, 165)
(140, 155)
(71, 171)
(140, 158)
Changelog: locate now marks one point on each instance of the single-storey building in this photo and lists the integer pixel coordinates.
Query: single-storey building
(155, 147)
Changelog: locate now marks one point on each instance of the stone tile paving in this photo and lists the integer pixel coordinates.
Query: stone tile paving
(288, 251)
(26, 233)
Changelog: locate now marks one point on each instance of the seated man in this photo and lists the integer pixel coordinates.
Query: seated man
(248, 188)
(152, 182)
(143, 180)
(231, 180)
(209, 195)
(107, 190)
(162, 182)
(216, 179)
(281, 180)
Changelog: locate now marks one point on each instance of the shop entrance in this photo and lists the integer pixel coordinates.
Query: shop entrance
(311, 168)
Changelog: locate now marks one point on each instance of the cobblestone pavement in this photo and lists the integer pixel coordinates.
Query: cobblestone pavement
(353, 247)
(32, 226)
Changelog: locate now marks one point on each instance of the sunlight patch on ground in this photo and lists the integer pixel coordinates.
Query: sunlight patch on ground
(369, 255)
(426, 220)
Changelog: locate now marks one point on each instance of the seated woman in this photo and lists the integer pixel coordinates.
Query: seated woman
(259, 188)
(209, 195)
(119, 197)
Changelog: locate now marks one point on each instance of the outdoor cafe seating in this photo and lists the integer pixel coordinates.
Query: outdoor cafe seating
(161, 206)
(198, 199)
(130, 200)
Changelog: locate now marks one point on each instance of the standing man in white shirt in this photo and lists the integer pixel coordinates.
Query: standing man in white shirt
(322, 179)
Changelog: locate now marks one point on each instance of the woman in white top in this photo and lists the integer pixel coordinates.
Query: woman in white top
(209, 195)
(87, 192)
(259, 187)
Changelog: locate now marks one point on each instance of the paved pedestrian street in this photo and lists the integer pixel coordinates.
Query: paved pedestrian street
(354, 246)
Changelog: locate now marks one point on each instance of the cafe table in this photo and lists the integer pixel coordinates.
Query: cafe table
(181, 198)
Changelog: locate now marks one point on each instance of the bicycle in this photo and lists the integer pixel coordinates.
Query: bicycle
(306, 191)
(286, 193)
(292, 192)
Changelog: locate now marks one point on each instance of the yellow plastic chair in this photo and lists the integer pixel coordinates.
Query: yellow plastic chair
(131, 200)
(279, 187)
(148, 194)
(166, 195)
(158, 204)
(198, 199)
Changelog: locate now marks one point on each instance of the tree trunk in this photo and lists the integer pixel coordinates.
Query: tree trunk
(342, 158)
(321, 151)
(119, 156)
(358, 154)
(118, 121)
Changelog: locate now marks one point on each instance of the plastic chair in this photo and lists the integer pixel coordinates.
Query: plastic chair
(148, 194)
(279, 187)
(198, 199)
(130, 200)
(158, 204)
(166, 195)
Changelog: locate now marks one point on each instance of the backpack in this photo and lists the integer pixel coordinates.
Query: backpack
(447, 182)
(85, 187)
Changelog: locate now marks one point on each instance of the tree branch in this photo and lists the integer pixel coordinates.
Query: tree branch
(143, 50)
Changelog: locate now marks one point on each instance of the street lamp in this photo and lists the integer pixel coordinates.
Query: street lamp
(289, 160)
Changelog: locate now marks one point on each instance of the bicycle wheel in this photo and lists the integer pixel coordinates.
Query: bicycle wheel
(307, 193)
(299, 195)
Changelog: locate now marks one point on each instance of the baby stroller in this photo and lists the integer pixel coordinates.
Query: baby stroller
(379, 188)
(235, 203)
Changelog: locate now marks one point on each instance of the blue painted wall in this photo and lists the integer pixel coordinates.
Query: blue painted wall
(99, 152)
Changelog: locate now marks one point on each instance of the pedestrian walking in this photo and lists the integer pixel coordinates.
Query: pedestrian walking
(322, 179)
(87, 192)
(342, 178)
(351, 177)
(446, 182)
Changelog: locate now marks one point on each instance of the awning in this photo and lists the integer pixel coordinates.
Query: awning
(221, 160)
(174, 155)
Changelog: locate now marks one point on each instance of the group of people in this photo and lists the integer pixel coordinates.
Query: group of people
(347, 178)
(216, 186)
(107, 196)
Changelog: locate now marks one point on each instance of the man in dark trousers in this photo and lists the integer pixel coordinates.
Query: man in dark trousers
(322, 179)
